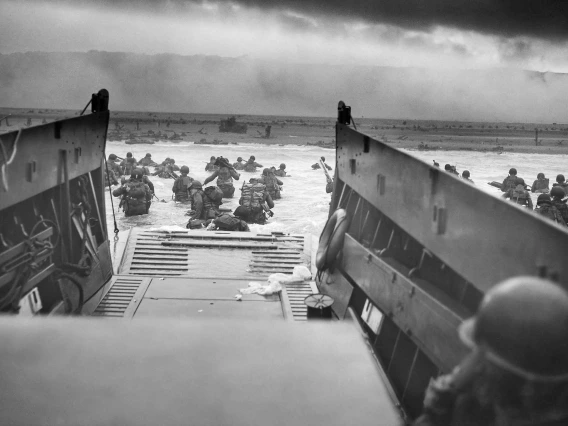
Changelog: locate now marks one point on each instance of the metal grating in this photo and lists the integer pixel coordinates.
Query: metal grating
(123, 297)
(178, 254)
(293, 296)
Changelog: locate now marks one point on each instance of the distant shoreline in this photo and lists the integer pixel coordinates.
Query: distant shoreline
(316, 131)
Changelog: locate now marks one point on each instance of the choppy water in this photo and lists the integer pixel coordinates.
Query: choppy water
(304, 204)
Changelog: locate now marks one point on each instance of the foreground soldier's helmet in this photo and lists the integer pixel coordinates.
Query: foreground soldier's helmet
(240, 159)
(112, 157)
(266, 171)
(282, 166)
(557, 191)
(522, 327)
(560, 178)
(196, 185)
(543, 198)
(520, 181)
(128, 154)
(184, 169)
(513, 172)
(465, 173)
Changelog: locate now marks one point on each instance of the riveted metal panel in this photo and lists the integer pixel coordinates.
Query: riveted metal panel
(483, 238)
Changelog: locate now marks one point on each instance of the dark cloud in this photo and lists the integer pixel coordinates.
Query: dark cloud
(547, 19)
(538, 18)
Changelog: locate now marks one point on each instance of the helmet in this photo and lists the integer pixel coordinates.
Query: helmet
(282, 166)
(148, 155)
(543, 198)
(521, 326)
(266, 171)
(540, 176)
(513, 172)
(112, 157)
(137, 173)
(560, 178)
(520, 181)
(447, 167)
(465, 173)
(252, 157)
(240, 159)
(323, 158)
(184, 169)
(213, 157)
(557, 191)
(172, 161)
(195, 185)
(128, 154)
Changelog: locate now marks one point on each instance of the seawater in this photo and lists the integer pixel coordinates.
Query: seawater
(304, 205)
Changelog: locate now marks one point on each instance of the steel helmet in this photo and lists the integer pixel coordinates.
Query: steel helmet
(560, 178)
(112, 157)
(322, 158)
(557, 191)
(513, 172)
(282, 166)
(521, 326)
(195, 185)
(266, 171)
(172, 161)
(540, 176)
(465, 173)
(137, 173)
(252, 157)
(213, 157)
(129, 154)
(520, 181)
(148, 155)
(543, 198)
(184, 169)
(240, 159)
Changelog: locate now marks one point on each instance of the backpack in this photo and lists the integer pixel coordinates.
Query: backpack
(136, 190)
(228, 222)
(214, 193)
(252, 195)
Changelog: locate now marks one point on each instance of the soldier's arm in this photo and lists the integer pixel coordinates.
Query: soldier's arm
(119, 191)
(234, 174)
(198, 206)
(149, 183)
(258, 165)
(210, 178)
(328, 167)
(268, 200)
(279, 182)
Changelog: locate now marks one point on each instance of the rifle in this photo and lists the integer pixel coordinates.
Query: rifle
(329, 179)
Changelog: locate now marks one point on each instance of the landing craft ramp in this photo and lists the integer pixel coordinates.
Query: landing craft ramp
(196, 274)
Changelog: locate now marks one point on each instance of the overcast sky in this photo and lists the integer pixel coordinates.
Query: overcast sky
(427, 33)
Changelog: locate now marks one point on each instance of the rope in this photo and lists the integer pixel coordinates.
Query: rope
(116, 231)
(86, 106)
(8, 161)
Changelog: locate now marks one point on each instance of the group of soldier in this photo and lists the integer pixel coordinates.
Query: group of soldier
(255, 203)
(551, 202)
